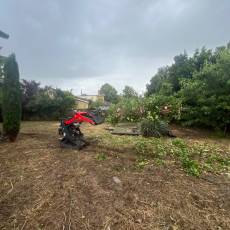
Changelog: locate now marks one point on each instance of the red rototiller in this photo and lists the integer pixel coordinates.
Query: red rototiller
(69, 128)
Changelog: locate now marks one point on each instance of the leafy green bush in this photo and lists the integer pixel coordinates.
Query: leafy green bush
(135, 109)
(155, 106)
(126, 110)
(154, 128)
(95, 104)
(11, 99)
(113, 116)
(49, 104)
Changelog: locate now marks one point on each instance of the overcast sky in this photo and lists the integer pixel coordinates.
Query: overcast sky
(81, 44)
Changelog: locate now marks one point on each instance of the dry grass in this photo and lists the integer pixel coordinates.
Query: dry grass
(45, 187)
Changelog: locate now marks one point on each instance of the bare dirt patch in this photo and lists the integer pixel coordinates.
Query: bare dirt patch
(45, 187)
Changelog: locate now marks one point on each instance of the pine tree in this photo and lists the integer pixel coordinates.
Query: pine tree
(11, 99)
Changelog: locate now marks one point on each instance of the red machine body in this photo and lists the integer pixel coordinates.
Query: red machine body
(80, 117)
(70, 131)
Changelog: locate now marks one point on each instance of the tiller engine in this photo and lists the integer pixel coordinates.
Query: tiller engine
(69, 128)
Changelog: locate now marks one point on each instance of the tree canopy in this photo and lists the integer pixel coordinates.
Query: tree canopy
(109, 92)
(45, 103)
(202, 83)
(11, 99)
(129, 92)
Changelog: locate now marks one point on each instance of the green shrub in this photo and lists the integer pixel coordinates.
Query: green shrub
(95, 104)
(135, 109)
(127, 110)
(49, 104)
(155, 105)
(154, 128)
(113, 116)
(11, 104)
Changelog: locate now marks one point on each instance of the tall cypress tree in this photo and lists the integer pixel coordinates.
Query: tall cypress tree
(11, 99)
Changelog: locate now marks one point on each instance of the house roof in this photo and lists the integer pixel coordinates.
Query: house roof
(82, 99)
(91, 95)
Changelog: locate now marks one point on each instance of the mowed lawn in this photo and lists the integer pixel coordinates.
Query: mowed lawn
(117, 182)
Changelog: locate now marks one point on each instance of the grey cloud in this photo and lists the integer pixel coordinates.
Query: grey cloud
(121, 42)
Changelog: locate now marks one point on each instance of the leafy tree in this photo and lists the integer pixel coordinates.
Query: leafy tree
(50, 104)
(169, 77)
(182, 68)
(95, 104)
(207, 96)
(109, 92)
(2, 61)
(129, 92)
(157, 80)
(11, 104)
(166, 89)
(228, 45)
(29, 90)
(202, 83)
(201, 58)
